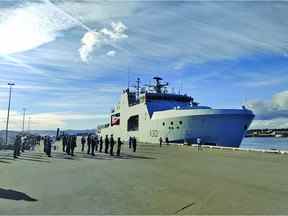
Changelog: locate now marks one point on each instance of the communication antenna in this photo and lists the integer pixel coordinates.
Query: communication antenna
(23, 121)
(138, 87)
(128, 77)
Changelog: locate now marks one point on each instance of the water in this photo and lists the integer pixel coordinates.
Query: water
(265, 143)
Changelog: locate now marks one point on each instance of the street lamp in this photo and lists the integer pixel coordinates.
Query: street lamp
(23, 122)
(8, 113)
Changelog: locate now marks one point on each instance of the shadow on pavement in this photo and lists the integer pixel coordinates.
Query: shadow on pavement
(30, 159)
(7, 162)
(15, 195)
(128, 156)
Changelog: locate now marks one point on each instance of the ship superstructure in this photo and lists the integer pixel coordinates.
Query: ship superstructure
(152, 112)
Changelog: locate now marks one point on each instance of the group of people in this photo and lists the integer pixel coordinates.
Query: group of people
(161, 141)
(69, 143)
(132, 143)
(97, 144)
(25, 142)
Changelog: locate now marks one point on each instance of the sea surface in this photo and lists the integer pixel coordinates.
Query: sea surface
(265, 143)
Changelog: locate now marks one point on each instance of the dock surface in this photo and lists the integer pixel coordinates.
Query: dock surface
(168, 180)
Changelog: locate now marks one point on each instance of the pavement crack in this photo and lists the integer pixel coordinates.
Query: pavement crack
(187, 206)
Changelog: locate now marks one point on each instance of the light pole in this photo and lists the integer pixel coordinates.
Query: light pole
(29, 122)
(8, 113)
(23, 122)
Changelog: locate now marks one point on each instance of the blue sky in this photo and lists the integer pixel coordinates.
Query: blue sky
(224, 54)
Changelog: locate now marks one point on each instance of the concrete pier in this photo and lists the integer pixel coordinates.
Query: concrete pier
(168, 180)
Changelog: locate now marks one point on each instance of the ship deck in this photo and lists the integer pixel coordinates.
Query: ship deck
(168, 180)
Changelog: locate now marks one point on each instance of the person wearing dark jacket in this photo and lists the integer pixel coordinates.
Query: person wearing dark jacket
(106, 141)
(73, 144)
(130, 142)
(47, 145)
(96, 142)
(64, 142)
(17, 146)
(68, 145)
(93, 145)
(160, 141)
(119, 143)
(89, 142)
(134, 143)
(101, 144)
(83, 141)
(112, 142)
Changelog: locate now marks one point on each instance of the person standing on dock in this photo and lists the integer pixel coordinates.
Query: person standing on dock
(119, 143)
(106, 144)
(48, 146)
(100, 144)
(96, 142)
(198, 141)
(112, 142)
(130, 142)
(73, 144)
(17, 146)
(134, 144)
(83, 141)
(160, 141)
(68, 145)
(89, 142)
(64, 143)
(167, 141)
(93, 145)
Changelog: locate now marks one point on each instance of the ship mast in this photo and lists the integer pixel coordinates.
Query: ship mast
(159, 86)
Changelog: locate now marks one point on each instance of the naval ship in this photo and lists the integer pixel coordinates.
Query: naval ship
(150, 112)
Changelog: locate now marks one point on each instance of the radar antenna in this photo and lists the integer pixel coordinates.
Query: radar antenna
(159, 86)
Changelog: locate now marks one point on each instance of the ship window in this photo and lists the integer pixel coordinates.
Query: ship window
(133, 123)
(163, 123)
(180, 122)
(177, 127)
(171, 123)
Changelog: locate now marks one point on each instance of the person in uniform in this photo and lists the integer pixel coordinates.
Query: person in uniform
(100, 144)
(106, 144)
(112, 142)
(45, 144)
(23, 141)
(89, 142)
(64, 142)
(96, 142)
(68, 144)
(160, 141)
(17, 146)
(134, 144)
(73, 144)
(93, 145)
(83, 141)
(167, 141)
(119, 143)
(48, 146)
(130, 142)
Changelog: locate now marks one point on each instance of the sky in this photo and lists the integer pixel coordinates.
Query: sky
(70, 60)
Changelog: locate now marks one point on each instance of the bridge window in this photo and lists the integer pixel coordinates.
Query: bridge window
(171, 122)
(133, 123)
(163, 123)
(180, 122)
